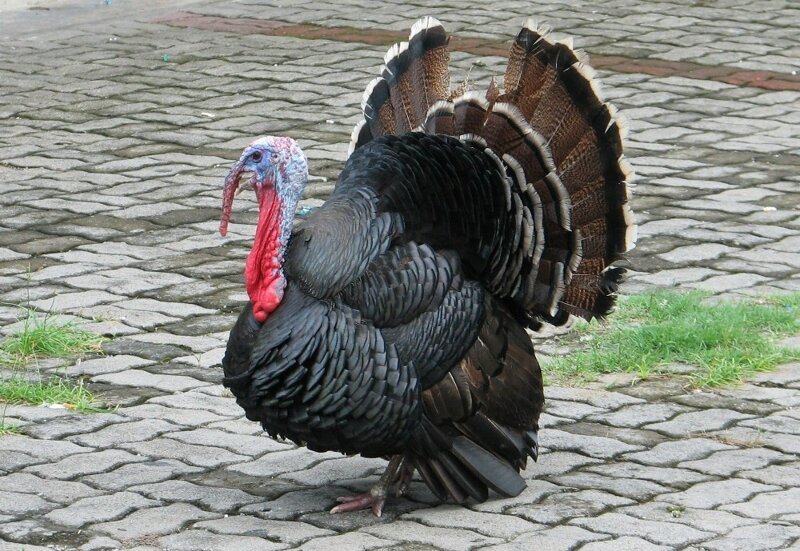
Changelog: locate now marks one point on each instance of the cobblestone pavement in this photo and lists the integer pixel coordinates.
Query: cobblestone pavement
(118, 121)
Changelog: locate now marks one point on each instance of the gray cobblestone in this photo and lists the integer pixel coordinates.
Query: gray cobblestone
(292, 533)
(200, 540)
(155, 521)
(765, 536)
(668, 453)
(675, 535)
(560, 538)
(84, 463)
(714, 494)
(98, 509)
(222, 500)
(201, 456)
(56, 491)
(442, 538)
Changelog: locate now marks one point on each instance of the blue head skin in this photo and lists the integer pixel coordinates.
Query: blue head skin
(274, 163)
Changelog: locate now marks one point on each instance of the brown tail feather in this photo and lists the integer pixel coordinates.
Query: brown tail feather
(559, 143)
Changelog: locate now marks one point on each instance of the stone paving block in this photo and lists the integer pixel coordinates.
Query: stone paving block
(661, 475)
(641, 414)
(47, 450)
(176, 416)
(746, 436)
(730, 282)
(11, 461)
(106, 364)
(705, 520)
(201, 456)
(141, 319)
(237, 443)
(502, 526)
(557, 507)
(100, 543)
(140, 378)
(534, 492)
(155, 521)
(23, 504)
(292, 533)
(195, 400)
(625, 487)
(725, 463)
(769, 505)
(201, 540)
(571, 410)
(777, 422)
(355, 541)
(133, 474)
(210, 358)
(335, 469)
(696, 253)
(63, 426)
(668, 453)
(222, 500)
(560, 538)
(716, 493)
(74, 302)
(293, 502)
(180, 309)
(442, 538)
(698, 422)
(84, 463)
(272, 464)
(765, 536)
(56, 491)
(774, 474)
(624, 543)
(198, 344)
(594, 446)
(130, 431)
(556, 463)
(239, 426)
(98, 509)
(672, 534)
(601, 399)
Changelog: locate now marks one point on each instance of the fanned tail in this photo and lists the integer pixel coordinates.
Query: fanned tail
(560, 145)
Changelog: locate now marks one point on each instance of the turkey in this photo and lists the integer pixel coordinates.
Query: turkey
(391, 322)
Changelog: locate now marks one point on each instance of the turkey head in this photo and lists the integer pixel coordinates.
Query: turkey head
(279, 172)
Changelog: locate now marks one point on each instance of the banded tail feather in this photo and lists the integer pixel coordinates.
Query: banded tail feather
(560, 145)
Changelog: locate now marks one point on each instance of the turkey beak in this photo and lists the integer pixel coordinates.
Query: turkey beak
(228, 193)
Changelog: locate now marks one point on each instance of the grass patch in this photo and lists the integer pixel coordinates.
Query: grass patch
(9, 429)
(46, 337)
(55, 390)
(726, 342)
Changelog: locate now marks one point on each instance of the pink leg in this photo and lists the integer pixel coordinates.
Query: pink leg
(376, 497)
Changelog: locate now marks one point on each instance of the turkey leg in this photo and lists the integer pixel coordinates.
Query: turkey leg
(376, 497)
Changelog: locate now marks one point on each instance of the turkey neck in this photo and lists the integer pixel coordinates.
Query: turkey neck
(264, 270)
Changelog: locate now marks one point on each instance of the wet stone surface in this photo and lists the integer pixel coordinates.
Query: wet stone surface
(111, 163)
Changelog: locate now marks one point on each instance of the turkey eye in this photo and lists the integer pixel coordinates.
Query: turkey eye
(256, 156)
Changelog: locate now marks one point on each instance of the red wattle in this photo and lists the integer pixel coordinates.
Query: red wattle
(262, 273)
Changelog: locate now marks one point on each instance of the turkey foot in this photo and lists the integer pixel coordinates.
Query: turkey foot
(376, 497)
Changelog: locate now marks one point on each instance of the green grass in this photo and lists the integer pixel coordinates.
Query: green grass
(727, 342)
(55, 390)
(9, 429)
(46, 337)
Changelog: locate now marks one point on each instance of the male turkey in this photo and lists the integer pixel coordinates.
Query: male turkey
(391, 321)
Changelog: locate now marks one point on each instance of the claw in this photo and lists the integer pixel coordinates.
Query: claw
(356, 503)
